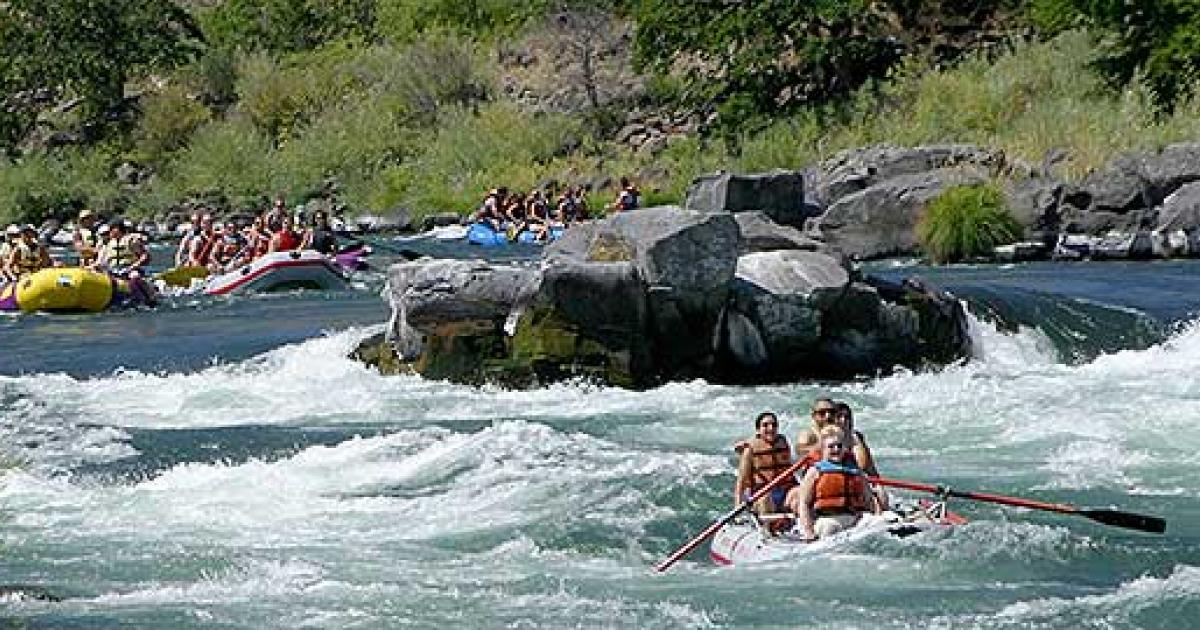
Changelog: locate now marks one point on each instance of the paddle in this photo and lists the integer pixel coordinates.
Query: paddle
(1108, 516)
(182, 276)
(712, 529)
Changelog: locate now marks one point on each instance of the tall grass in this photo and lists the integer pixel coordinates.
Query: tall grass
(965, 222)
(44, 185)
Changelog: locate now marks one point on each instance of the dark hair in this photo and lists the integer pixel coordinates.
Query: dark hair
(763, 416)
(841, 407)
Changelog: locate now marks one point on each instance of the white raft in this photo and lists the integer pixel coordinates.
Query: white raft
(747, 540)
(280, 271)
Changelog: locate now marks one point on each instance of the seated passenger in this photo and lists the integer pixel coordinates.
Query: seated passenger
(285, 238)
(84, 239)
(628, 197)
(185, 243)
(201, 246)
(766, 456)
(320, 237)
(124, 252)
(11, 236)
(227, 253)
(491, 211)
(834, 493)
(28, 254)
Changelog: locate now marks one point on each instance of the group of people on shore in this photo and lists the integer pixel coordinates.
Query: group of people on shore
(221, 246)
(115, 248)
(541, 210)
(833, 491)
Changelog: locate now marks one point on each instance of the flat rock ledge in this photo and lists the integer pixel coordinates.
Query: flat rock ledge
(663, 294)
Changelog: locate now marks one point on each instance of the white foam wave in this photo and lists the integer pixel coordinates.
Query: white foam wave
(1116, 608)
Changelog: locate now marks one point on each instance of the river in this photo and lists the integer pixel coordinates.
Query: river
(221, 463)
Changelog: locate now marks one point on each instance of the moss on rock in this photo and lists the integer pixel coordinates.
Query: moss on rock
(551, 348)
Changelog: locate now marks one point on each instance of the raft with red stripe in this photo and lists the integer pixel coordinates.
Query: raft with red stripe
(280, 271)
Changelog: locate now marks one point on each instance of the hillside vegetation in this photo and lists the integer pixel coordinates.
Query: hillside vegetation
(132, 106)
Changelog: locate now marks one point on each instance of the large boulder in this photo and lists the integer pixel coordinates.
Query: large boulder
(778, 194)
(881, 220)
(1034, 202)
(686, 261)
(1166, 171)
(774, 317)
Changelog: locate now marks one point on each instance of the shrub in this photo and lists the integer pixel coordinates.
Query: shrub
(43, 186)
(965, 222)
(168, 120)
(229, 157)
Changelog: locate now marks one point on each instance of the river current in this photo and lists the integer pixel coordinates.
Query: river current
(221, 463)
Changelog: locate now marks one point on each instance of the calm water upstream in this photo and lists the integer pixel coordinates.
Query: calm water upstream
(220, 463)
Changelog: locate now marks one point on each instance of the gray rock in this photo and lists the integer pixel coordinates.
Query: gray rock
(774, 320)
(1174, 166)
(881, 220)
(428, 293)
(440, 219)
(858, 169)
(1034, 202)
(758, 233)
(1181, 209)
(779, 195)
(686, 260)
(1124, 245)
(1119, 188)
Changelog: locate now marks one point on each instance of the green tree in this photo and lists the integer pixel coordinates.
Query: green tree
(285, 26)
(1160, 40)
(82, 49)
(766, 56)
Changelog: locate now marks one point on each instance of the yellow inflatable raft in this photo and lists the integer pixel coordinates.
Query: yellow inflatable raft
(63, 289)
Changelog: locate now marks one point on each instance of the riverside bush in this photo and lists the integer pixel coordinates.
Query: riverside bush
(966, 222)
(230, 157)
(168, 120)
(43, 186)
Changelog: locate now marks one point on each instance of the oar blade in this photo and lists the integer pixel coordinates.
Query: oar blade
(1128, 520)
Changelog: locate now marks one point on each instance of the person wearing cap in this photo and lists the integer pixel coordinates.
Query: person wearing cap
(11, 235)
(123, 253)
(28, 254)
(84, 238)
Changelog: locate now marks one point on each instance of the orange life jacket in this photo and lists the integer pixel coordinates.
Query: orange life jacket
(768, 460)
(840, 489)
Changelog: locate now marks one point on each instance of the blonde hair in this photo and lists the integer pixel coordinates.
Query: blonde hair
(831, 431)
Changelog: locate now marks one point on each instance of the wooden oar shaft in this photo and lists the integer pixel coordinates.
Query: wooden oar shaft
(977, 496)
(1108, 516)
(729, 516)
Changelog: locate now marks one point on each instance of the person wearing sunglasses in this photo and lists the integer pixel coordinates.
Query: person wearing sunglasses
(766, 455)
(823, 414)
(835, 492)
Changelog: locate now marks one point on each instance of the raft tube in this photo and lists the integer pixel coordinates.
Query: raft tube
(69, 290)
(280, 271)
(485, 235)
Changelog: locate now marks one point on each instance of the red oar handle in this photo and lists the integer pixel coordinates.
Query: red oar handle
(729, 516)
(977, 496)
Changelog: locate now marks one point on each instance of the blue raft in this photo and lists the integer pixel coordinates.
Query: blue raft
(484, 234)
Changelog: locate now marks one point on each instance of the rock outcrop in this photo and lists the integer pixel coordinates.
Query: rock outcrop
(664, 294)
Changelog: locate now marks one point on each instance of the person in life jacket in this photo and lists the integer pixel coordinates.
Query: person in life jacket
(766, 455)
(826, 413)
(835, 492)
(84, 239)
(27, 254)
(124, 252)
(628, 197)
(12, 235)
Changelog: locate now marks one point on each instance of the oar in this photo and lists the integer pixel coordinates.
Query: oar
(712, 529)
(1108, 516)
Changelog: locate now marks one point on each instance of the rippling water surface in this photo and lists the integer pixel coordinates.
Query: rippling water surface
(239, 471)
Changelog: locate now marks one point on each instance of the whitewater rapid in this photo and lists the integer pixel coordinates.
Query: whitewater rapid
(300, 489)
